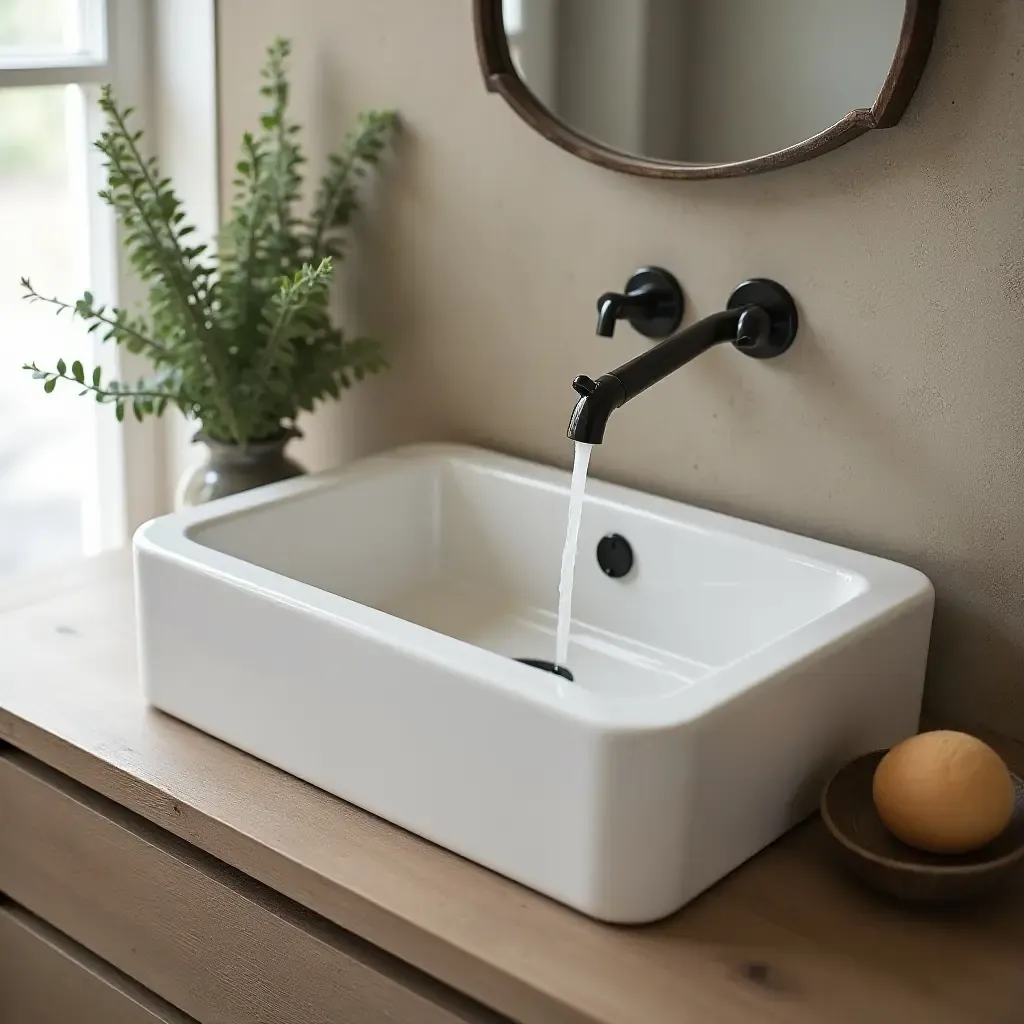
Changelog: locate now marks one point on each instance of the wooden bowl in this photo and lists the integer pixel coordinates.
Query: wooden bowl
(871, 851)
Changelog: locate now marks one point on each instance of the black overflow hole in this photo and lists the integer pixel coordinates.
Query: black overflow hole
(614, 555)
(547, 666)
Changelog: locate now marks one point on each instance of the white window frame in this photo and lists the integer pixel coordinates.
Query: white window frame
(161, 60)
(188, 141)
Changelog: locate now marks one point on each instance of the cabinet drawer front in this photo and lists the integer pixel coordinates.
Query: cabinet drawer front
(45, 978)
(209, 940)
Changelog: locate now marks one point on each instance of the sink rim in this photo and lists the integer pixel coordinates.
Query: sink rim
(889, 587)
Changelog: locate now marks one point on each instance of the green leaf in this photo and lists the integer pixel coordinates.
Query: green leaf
(50, 385)
(241, 335)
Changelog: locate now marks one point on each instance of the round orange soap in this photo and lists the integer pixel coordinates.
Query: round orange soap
(944, 792)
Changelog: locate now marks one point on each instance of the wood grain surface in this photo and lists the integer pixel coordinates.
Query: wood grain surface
(205, 937)
(786, 938)
(45, 978)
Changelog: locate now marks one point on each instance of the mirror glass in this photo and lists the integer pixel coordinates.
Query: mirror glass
(703, 81)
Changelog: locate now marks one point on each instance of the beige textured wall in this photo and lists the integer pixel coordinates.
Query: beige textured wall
(895, 425)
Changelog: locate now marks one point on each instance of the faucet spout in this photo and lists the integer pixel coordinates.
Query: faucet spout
(676, 351)
(600, 398)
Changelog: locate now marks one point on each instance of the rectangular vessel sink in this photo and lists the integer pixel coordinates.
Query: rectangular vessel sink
(358, 631)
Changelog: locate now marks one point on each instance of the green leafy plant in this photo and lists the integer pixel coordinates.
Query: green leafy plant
(241, 338)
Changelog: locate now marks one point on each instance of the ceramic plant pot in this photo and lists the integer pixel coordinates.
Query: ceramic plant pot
(231, 468)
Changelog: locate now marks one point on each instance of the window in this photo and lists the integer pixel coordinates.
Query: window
(72, 480)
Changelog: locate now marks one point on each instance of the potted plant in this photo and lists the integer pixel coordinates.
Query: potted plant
(241, 338)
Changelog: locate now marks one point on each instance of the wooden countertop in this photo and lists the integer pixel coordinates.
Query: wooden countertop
(786, 938)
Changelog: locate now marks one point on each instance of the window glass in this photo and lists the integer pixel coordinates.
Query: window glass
(44, 439)
(40, 26)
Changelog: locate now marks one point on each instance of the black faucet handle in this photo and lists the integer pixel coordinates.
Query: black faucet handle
(653, 303)
(768, 319)
(753, 329)
(610, 307)
(645, 301)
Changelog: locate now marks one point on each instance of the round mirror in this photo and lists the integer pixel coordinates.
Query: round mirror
(704, 88)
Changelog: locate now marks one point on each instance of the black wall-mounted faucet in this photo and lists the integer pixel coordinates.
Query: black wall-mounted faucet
(760, 320)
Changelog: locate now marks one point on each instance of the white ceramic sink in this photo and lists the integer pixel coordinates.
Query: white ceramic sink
(358, 630)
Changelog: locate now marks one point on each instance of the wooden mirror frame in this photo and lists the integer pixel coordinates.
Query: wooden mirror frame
(500, 76)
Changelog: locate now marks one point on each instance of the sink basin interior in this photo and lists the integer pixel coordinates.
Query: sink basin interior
(473, 553)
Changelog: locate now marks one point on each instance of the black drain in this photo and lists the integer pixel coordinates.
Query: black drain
(547, 666)
(615, 555)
